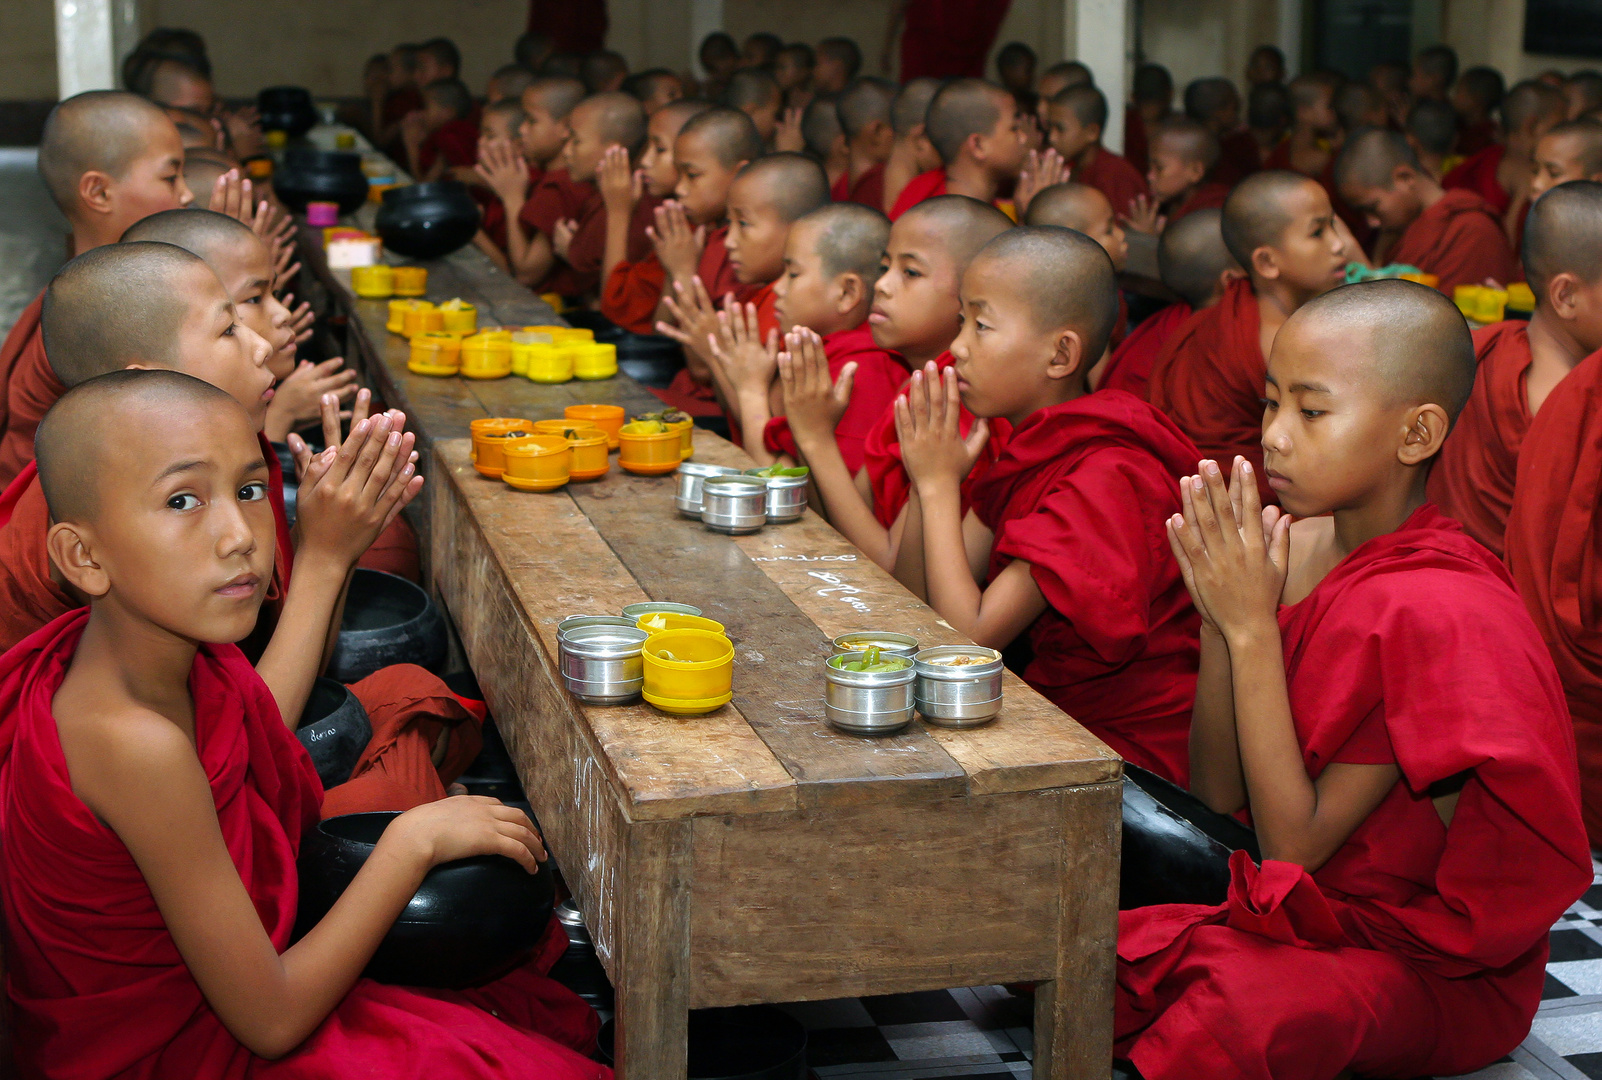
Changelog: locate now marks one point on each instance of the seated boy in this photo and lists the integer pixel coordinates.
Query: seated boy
(756, 93)
(1075, 121)
(1432, 133)
(838, 61)
(1182, 154)
(915, 315)
(655, 87)
(1373, 693)
(1065, 532)
(604, 71)
(1476, 96)
(1499, 173)
(178, 800)
(975, 128)
(602, 124)
(1314, 126)
(911, 154)
(1086, 209)
(824, 141)
(1520, 361)
(507, 84)
(1454, 235)
(765, 198)
(500, 133)
(1570, 151)
(1053, 81)
(1195, 264)
(865, 119)
(631, 288)
(441, 136)
(1209, 377)
(107, 159)
(1215, 104)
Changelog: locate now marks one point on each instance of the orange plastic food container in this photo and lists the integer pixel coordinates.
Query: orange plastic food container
(411, 280)
(649, 453)
(537, 462)
(490, 435)
(609, 418)
(421, 320)
(590, 457)
(435, 354)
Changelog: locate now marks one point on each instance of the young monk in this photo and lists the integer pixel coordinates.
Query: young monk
(1454, 235)
(602, 124)
(500, 133)
(631, 288)
(1372, 693)
(1182, 154)
(1195, 264)
(1086, 210)
(108, 159)
(1280, 227)
(823, 140)
(1215, 104)
(865, 119)
(1570, 151)
(1476, 96)
(1066, 526)
(912, 154)
(1521, 362)
(1151, 100)
(1432, 133)
(756, 93)
(1314, 126)
(975, 128)
(1075, 121)
(178, 796)
(1500, 172)
(1053, 81)
(914, 315)
(442, 135)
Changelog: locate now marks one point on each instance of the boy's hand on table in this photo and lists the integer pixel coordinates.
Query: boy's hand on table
(928, 417)
(1232, 551)
(462, 826)
(621, 185)
(678, 245)
(748, 362)
(813, 401)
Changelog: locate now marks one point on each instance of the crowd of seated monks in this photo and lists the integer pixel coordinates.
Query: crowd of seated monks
(1318, 552)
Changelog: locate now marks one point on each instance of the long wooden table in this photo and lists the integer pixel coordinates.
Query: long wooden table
(754, 854)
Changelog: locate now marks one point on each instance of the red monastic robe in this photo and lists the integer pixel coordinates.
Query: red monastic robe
(587, 252)
(630, 295)
(494, 225)
(1417, 949)
(22, 335)
(1130, 366)
(99, 989)
(1477, 173)
(455, 140)
(1238, 157)
(1081, 493)
(555, 198)
(1210, 376)
(1472, 479)
(879, 378)
(1207, 196)
(949, 39)
(31, 388)
(923, 186)
(717, 274)
(1472, 138)
(1460, 240)
(868, 189)
(1554, 537)
(1113, 177)
(1136, 143)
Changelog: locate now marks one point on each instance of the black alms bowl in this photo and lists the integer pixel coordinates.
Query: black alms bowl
(427, 221)
(1176, 849)
(308, 175)
(335, 730)
(286, 108)
(470, 921)
(388, 620)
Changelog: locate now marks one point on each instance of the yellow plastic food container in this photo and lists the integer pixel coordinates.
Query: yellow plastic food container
(609, 418)
(570, 333)
(373, 282)
(397, 313)
(1467, 299)
(411, 280)
(1520, 297)
(435, 354)
(698, 678)
(686, 430)
(591, 459)
(1490, 306)
(544, 362)
(649, 453)
(485, 356)
(421, 320)
(537, 462)
(489, 439)
(659, 622)
(462, 318)
(592, 360)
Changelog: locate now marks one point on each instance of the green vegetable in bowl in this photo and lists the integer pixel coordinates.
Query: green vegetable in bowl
(871, 662)
(779, 470)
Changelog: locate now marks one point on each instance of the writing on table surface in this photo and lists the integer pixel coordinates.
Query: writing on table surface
(803, 558)
(838, 588)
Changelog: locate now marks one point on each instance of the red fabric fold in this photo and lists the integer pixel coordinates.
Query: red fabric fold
(714, 269)
(880, 376)
(1208, 196)
(395, 552)
(455, 140)
(31, 388)
(1427, 954)
(923, 186)
(1459, 240)
(1113, 177)
(1081, 493)
(557, 197)
(18, 338)
(1477, 173)
(1131, 364)
(98, 986)
(632, 292)
(867, 189)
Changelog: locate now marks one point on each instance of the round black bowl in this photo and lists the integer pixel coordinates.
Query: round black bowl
(470, 921)
(388, 620)
(335, 730)
(286, 108)
(308, 175)
(427, 221)
(1176, 849)
(739, 1042)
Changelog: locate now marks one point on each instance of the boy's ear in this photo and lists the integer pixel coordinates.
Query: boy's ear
(1195, 172)
(1561, 294)
(71, 548)
(1265, 263)
(849, 292)
(1094, 131)
(94, 191)
(975, 144)
(1427, 426)
(1069, 359)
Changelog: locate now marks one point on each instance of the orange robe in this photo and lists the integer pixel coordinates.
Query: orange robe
(31, 388)
(1460, 240)
(1472, 480)
(631, 293)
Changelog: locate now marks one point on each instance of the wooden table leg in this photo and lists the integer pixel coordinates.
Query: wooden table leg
(1074, 1012)
(652, 952)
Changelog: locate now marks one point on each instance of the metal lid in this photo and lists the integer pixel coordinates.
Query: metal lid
(701, 468)
(604, 642)
(899, 677)
(573, 622)
(900, 644)
(928, 662)
(652, 607)
(735, 486)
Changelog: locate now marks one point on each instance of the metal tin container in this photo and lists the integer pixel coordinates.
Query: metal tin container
(868, 703)
(962, 695)
(787, 498)
(687, 499)
(573, 622)
(650, 607)
(602, 665)
(903, 645)
(734, 504)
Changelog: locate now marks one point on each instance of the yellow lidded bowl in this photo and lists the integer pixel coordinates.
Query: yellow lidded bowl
(411, 280)
(422, 320)
(537, 462)
(435, 354)
(373, 282)
(1520, 297)
(592, 360)
(486, 357)
(659, 622)
(569, 333)
(649, 453)
(462, 318)
(1492, 304)
(489, 438)
(590, 454)
(688, 672)
(686, 430)
(545, 362)
(397, 313)
(609, 418)
(568, 429)
(1467, 299)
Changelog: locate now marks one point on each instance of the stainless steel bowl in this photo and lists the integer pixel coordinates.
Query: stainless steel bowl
(964, 695)
(734, 504)
(651, 607)
(574, 622)
(687, 499)
(903, 645)
(787, 497)
(602, 665)
(868, 702)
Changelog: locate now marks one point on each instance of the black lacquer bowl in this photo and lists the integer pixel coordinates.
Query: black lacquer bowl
(335, 730)
(288, 109)
(308, 175)
(427, 221)
(388, 620)
(1176, 850)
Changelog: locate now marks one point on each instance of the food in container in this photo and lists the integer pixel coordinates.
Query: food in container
(609, 418)
(869, 692)
(460, 316)
(958, 685)
(601, 664)
(885, 641)
(688, 672)
(489, 438)
(692, 474)
(787, 491)
(633, 612)
(649, 448)
(658, 622)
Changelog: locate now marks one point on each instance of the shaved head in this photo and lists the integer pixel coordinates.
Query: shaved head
(1586, 87)
(961, 108)
(70, 445)
(851, 239)
(862, 103)
(205, 233)
(1206, 99)
(96, 131)
(1532, 103)
(1359, 105)
(117, 305)
(1586, 137)
(1563, 234)
(1408, 335)
(558, 95)
(964, 224)
(1258, 211)
(793, 184)
(820, 127)
(1064, 276)
(1086, 103)
(1434, 125)
(1191, 255)
(1372, 155)
(619, 118)
(749, 88)
(681, 111)
(1067, 205)
(1190, 139)
(202, 168)
(911, 105)
(174, 82)
(1066, 73)
(728, 133)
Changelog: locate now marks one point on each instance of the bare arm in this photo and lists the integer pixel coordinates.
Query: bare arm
(621, 189)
